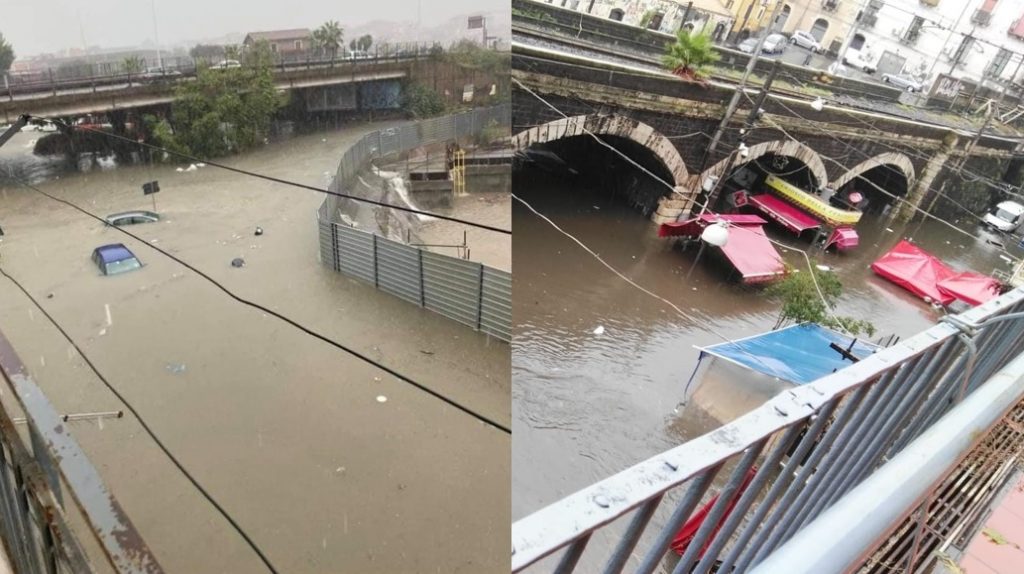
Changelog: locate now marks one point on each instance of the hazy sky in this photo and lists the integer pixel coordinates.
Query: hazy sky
(36, 26)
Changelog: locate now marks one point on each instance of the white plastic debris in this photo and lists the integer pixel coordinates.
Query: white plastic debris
(599, 330)
(200, 165)
(382, 399)
(889, 230)
(823, 267)
(191, 167)
(179, 170)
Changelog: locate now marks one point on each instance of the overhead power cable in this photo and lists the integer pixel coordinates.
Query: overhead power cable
(145, 426)
(195, 159)
(308, 331)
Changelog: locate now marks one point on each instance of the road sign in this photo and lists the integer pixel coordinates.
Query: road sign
(150, 187)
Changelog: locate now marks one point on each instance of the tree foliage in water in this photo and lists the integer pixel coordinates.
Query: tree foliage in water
(224, 111)
(6, 55)
(691, 54)
(801, 302)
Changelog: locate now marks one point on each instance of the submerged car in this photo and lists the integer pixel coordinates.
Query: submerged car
(900, 81)
(132, 217)
(1006, 216)
(115, 258)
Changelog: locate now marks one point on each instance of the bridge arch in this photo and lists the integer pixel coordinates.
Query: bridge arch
(788, 148)
(896, 160)
(611, 125)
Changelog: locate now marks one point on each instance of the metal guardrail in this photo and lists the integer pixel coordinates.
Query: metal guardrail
(805, 449)
(471, 293)
(82, 77)
(950, 475)
(34, 514)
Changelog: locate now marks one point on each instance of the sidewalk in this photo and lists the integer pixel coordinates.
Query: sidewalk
(997, 548)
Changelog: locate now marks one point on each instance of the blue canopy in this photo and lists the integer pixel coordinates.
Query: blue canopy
(798, 354)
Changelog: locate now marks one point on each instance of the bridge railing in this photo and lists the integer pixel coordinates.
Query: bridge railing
(48, 487)
(95, 76)
(776, 468)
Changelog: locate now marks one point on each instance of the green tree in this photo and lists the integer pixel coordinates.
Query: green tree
(469, 54)
(223, 111)
(362, 43)
(133, 64)
(802, 303)
(258, 55)
(6, 55)
(690, 55)
(328, 38)
(207, 52)
(232, 52)
(420, 101)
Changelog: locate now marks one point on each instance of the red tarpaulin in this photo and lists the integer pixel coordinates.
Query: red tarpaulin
(844, 238)
(750, 252)
(915, 270)
(788, 215)
(973, 288)
(694, 227)
(689, 530)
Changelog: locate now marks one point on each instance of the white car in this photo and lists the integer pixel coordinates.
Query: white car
(747, 46)
(856, 60)
(900, 81)
(774, 44)
(1006, 217)
(806, 40)
(225, 64)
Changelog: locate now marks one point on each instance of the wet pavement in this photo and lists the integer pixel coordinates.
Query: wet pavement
(586, 405)
(329, 463)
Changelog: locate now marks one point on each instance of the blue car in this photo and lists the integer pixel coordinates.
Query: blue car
(115, 258)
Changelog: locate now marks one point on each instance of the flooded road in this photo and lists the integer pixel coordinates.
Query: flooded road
(586, 406)
(329, 463)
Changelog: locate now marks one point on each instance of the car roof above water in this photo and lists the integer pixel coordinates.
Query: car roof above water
(1011, 206)
(113, 252)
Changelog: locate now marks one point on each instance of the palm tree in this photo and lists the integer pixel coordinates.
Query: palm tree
(133, 64)
(329, 37)
(691, 53)
(6, 55)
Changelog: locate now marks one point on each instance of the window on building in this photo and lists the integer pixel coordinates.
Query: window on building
(913, 31)
(655, 23)
(830, 5)
(819, 28)
(298, 44)
(932, 3)
(1018, 29)
(616, 14)
(998, 64)
(963, 50)
(868, 17)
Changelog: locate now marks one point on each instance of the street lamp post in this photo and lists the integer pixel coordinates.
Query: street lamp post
(156, 36)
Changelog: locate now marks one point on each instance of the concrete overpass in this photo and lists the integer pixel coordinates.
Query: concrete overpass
(108, 98)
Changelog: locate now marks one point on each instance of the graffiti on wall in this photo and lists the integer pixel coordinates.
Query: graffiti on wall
(382, 95)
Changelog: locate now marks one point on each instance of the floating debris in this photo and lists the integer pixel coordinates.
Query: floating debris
(176, 368)
(599, 330)
(259, 230)
(238, 262)
(382, 399)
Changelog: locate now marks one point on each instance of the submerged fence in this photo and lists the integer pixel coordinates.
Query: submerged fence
(47, 484)
(468, 292)
(778, 468)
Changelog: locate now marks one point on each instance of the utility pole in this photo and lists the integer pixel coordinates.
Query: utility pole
(156, 35)
(731, 108)
(949, 37)
(686, 13)
(991, 113)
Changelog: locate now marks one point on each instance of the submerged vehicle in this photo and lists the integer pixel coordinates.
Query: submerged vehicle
(1006, 217)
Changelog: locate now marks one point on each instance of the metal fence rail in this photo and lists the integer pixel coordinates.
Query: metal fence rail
(803, 450)
(950, 474)
(468, 292)
(34, 512)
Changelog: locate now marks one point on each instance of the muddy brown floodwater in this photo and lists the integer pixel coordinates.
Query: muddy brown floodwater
(586, 406)
(329, 463)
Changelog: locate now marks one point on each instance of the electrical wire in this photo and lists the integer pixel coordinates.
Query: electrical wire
(145, 426)
(704, 206)
(194, 159)
(308, 331)
(899, 199)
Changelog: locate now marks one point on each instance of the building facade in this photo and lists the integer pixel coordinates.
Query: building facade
(978, 40)
(830, 21)
(666, 16)
(282, 41)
